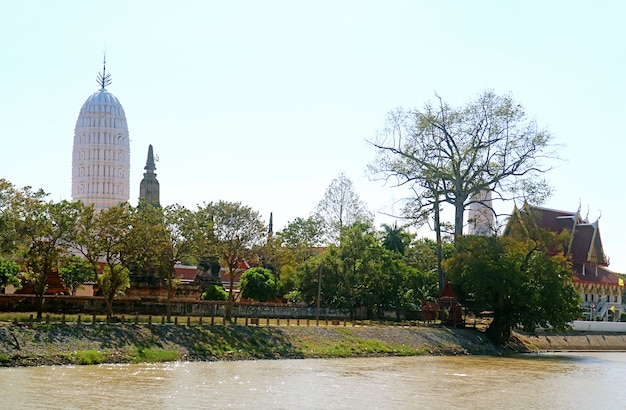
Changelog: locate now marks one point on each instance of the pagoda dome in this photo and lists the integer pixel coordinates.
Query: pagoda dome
(101, 153)
(104, 102)
(102, 110)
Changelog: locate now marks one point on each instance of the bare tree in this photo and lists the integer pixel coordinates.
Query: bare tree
(340, 208)
(449, 155)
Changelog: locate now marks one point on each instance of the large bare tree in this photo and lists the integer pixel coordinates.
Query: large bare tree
(449, 155)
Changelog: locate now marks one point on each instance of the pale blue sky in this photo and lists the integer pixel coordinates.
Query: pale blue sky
(265, 102)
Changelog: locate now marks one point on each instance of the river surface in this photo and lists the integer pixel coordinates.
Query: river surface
(537, 381)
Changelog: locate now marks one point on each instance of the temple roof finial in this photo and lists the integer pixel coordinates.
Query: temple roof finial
(104, 79)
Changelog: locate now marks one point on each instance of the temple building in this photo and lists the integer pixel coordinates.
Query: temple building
(101, 153)
(149, 187)
(600, 289)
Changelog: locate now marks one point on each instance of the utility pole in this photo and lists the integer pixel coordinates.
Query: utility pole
(319, 292)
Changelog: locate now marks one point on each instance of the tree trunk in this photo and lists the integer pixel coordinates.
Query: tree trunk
(109, 307)
(439, 247)
(168, 301)
(459, 212)
(231, 299)
(498, 331)
(39, 304)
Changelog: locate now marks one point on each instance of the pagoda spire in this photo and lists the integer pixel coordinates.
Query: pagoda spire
(270, 229)
(149, 187)
(104, 79)
(150, 165)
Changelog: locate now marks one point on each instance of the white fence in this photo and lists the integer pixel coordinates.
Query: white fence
(590, 326)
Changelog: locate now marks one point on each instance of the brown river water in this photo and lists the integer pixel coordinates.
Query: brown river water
(535, 381)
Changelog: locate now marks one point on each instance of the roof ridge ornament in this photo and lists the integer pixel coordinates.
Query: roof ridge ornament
(104, 79)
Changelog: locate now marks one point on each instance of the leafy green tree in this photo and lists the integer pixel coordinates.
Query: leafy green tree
(298, 241)
(281, 260)
(414, 297)
(149, 254)
(159, 239)
(103, 239)
(9, 272)
(10, 200)
(259, 284)
(520, 283)
(113, 282)
(214, 292)
(302, 235)
(46, 229)
(74, 272)
(341, 207)
(422, 254)
(236, 231)
(358, 272)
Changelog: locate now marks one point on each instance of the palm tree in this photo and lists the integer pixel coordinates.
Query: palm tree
(395, 238)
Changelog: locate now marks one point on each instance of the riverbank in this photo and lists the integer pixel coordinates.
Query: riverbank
(56, 344)
(76, 343)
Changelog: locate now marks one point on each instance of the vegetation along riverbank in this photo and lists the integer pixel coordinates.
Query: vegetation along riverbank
(51, 344)
(59, 344)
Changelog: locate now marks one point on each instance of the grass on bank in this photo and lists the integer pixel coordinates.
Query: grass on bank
(88, 357)
(153, 355)
(137, 355)
(350, 345)
(360, 347)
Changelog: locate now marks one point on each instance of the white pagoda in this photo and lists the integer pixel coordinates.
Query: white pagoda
(101, 154)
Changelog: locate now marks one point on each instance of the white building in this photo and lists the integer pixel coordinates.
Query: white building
(101, 154)
(481, 217)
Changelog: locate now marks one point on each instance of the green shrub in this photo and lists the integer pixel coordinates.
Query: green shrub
(214, 292)
(259, 284)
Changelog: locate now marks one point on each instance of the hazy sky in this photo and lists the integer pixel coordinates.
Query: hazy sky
(265, 102)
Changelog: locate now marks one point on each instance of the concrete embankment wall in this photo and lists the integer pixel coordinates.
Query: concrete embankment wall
(575, 341)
